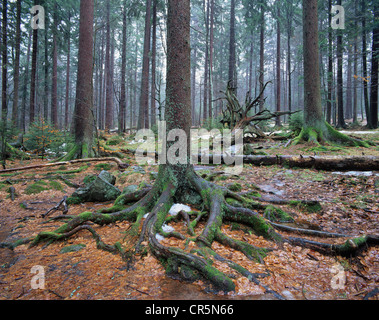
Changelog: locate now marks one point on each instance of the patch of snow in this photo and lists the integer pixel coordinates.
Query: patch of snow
(177, 207)
(159, 237)
(167, 228)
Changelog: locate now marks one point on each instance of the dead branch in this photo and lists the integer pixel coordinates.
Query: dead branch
(120, 164)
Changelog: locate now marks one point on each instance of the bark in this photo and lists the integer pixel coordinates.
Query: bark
(206, 66)
(83, 117)
(33, 77)
(330, 66)
(54, 84)
(25, 82)
(375, 68)
(67, 100)
(261, 55)
(340, 105)
(143, 119)
(364, 64)
(108, 74)
(349, 87)
(211, 41)
(17, 65)
(121, 126)
(4, 106)
(153, 64)
(278, 82)
(232, 75)
(355, 80)
(313, 116)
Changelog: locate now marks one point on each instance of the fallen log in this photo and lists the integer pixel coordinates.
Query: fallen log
(327, 163)
(120, 164)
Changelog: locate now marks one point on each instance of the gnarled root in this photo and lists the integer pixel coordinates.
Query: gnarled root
(151, 212)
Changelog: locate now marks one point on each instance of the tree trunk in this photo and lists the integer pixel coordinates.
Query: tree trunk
(143, 119)
(355, 77)
(364, 65)
(54, 83)
(340, 105)
(211, 41)
(67, 100)
(153, 65)
(121, 125)
(375, 68)
(206, 66)
(4, 106)
(17, 65)
(349, 87)
(261, 56)
(316, 129)
(108, 75)
(83, 117)
(278, 82)
(330, 66)
(33, 74)
(25, 83)
(232, 75)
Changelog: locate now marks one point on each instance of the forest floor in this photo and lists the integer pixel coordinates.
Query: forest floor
(350, 205)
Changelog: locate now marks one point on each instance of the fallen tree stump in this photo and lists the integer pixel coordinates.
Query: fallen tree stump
(327, 163)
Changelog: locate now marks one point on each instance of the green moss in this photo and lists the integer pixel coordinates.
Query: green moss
(310, 206)
(73, 248)
(236, 187)
(36, 187)
(56, 185)
(103, 166)
(275, 214)
(74, 200)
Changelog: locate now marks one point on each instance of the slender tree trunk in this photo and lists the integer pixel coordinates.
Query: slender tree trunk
(4, 106)
(4, 52)
(100, 112)
(17, 65)
(355, 81)
(206, 66)
(340, 105)
(330, 66)
(349, 86)
(108, 75)
(211, 41)
(364, 65)
(121, 126)
(261, 56)
(278, 83)
(46, 74)
(25, 83)
(153, 64)
(143, 119)
(232, 75)
(250, 88)
(67, 100)
(375, 68)
(33, 74)
(54, 85)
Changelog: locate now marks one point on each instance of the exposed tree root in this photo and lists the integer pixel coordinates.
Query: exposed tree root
(150, 213)
(324, 133)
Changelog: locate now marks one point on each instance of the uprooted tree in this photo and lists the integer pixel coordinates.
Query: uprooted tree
(178, 183)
